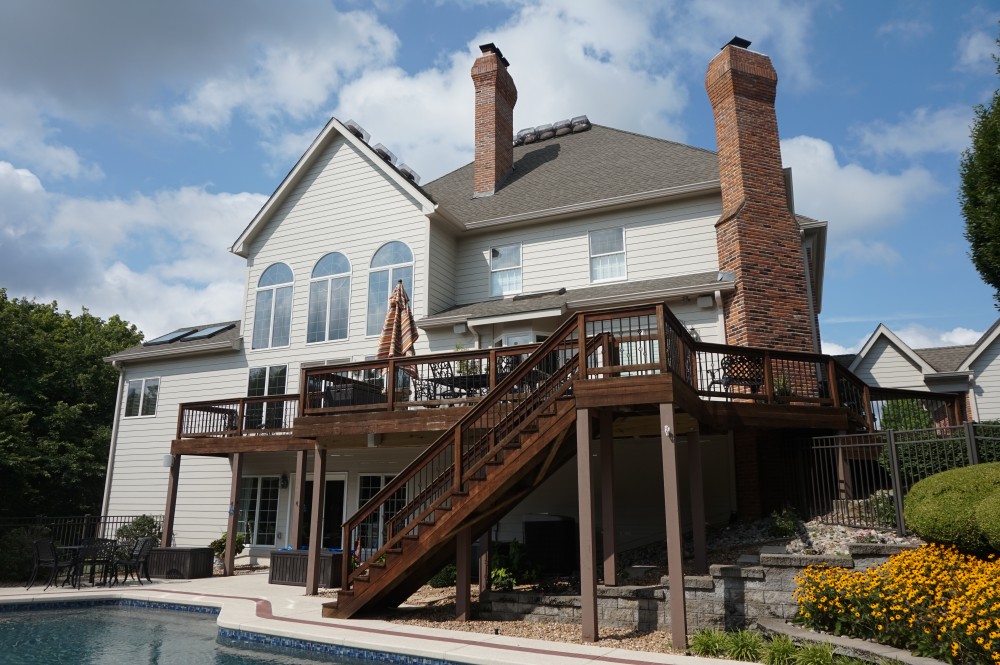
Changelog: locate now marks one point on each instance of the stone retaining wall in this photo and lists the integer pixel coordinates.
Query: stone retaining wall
(730, 596)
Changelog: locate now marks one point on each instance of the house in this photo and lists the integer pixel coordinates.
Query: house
(972, 370)
(657, 300)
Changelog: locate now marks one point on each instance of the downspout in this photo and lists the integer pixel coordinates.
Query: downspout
(809, 294)
(114, 439)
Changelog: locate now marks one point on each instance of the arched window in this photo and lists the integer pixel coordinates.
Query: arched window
(392, 262)
(272, 319)
(329, 299)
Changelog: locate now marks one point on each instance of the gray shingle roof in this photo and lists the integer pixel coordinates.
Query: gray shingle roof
(609, 294)
(218, 341)
(599, 164)
(945, 358)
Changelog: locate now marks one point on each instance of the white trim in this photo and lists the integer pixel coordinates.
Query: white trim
(109, 474)
(329, 281)
(519, 268)
(520, 316)
(591, 255)
(273, 288)
(883, 331)
(389, 268)
(142, 397)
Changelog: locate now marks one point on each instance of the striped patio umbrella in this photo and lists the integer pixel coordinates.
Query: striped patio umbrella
(399, 332)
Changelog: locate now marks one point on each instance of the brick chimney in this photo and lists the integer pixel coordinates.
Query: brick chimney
(757, 235)
(495, 99)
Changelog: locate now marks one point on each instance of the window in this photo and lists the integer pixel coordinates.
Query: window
(505, 268)
(273, 312)
(258, 509)
(607, 255)
(391, 263)
(141, 397)
(329, 299)
(372, 531)
(265, 381)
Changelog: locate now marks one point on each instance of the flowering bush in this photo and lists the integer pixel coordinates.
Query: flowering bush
(934, 601)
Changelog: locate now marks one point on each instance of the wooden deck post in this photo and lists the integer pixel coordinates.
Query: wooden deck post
(298, 499)
(697, 502)
(316, 522)
(485, 544)
(585, 496)
(675, 550)
(463, 574)
(608, 497)
(170, 509)
(236, 464)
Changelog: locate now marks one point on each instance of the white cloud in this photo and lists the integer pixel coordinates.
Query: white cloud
(976, 50)
(834, 349)
(853, 198)
(857, 252)
(907, 29)
(26, 138)
(922, 337)
(923, 131)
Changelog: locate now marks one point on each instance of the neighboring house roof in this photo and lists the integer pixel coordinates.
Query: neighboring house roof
(600, 167)
(883, 331)
(845, 359)
(227, 339)
(945, 358)
(333, 129)
(553, 303)
(984, 342)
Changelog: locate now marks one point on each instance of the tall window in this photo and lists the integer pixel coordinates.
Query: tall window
(505, 269)
(329, 299)
(607, 255)
(265, 381)
(258, 509)
(272, 320)
(373, 530)
(391, 263)
(141, 397)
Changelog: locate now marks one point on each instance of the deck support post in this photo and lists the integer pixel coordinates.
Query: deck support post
(585, 497)
(845, 482)
(608, 496)
(316, 522)
(236, 463)
(171, 508)
(298, 499)
(485, 544)
(675, 550)
(463, 573)
(697, 481)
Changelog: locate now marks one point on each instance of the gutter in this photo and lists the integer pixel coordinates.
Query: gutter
(224, 345)
(114, 441)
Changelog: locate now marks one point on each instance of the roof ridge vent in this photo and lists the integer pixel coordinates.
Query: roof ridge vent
(384, 153)
(409, 174)
(357, 130)
(562, 127)
(545, 132)
(580, 124)
(530, 135)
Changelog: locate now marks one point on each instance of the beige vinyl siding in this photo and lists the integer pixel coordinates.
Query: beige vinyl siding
(660, 241)
(345, 203)
(440, 269)
(986, 370)
(140, 477)
(705, 320)
(886, 366)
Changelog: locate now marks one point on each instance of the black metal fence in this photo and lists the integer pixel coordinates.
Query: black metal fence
(859, 480)
(70, 530)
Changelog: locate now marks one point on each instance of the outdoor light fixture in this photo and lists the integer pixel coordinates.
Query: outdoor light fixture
(284, 481)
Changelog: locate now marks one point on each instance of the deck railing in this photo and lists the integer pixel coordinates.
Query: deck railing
(240, 416)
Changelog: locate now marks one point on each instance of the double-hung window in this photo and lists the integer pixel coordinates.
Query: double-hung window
(392, 262)
(505, 269)
(607, 255)
(272, 322)
(265, 381)
(140, 400)
(258, 509)
(329, 299)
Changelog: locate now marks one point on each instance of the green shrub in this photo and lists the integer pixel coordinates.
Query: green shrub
(780, 650)
(709, 642)
(219, 545)
(747, 645)
(988, 520)
(142, 526)
(814, 653)
(512, 557)
(944, 508)
(785, 523)
(502, 580)
(444, 577)
(15, 551)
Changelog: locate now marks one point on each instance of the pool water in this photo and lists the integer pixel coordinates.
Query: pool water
(123, 635)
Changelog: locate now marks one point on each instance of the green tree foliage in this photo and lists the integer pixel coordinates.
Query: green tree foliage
(980, 191)
(57, 401)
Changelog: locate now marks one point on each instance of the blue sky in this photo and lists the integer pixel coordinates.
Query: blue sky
(138, 139)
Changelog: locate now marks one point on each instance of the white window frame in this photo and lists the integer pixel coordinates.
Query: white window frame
(273, 288)
(329, 279)
(385, 479)
(592, 255)
(277, 508)
(391, 269)
(142, 397)
(519, 269)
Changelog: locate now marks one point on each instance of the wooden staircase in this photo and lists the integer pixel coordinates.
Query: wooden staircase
(506, 446)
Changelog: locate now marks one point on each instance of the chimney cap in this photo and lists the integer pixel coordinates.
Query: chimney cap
(738, 42)
(491, 48)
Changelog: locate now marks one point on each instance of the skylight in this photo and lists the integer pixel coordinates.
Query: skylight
(205, 333)
(169, 337)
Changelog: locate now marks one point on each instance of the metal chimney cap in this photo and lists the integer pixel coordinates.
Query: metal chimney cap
(492, 48)
(738, 42)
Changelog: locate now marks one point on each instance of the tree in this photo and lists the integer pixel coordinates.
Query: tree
(980, 191)
(57, 402)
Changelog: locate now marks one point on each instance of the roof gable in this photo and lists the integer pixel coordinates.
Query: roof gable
(883, 333)
(979, 347)
(333, 129)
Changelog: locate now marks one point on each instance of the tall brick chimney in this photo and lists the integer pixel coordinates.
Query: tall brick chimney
(757, 235)
(495, 99)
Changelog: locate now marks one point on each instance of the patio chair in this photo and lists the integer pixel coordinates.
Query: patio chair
(136, 562)
(45, 555)
(739, 370)
(444, 375)
(96, 553)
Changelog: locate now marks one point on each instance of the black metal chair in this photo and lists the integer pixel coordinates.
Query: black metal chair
(45, 555)
(739, 370)
(136, 562)
(96, 553)
(444, 375)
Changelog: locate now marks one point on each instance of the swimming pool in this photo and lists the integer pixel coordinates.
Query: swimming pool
(119, 634)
